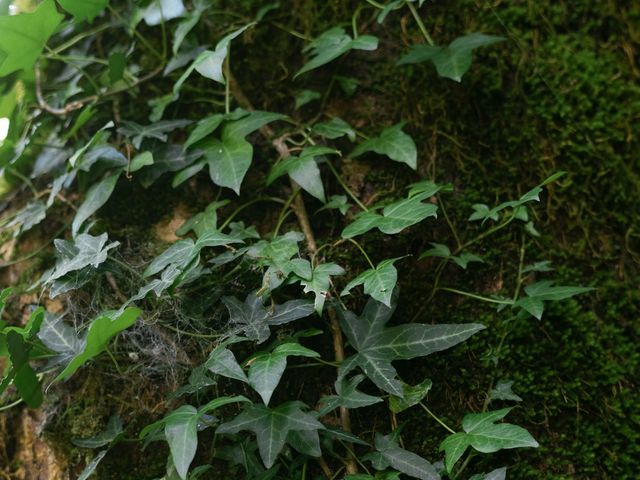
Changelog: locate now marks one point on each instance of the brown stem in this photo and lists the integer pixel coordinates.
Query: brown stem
(303, 219)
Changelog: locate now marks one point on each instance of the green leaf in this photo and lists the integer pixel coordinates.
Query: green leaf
(223, 362)
(395, 217)
(304, 170)
(25, 35)
(452, 61)
(348, 396)
(203, 222)
(186, 25)
(271, 426)
(84, 9)
(378, 346)
(543, 266)
(34, 213)
(28, 386)
(209, 63)
(393, 143)
(502, 391)
(159, 11)
(101, 330)
(254, 319)
(266, 370)
(335, 128)
(539, 292)
(404, 461)
(276, 255)
(333, 43)
(412, 395)
(338, 202)
(481, 433)
(157, 131)
(111, 432)
(96, 197)
(141, 160)
(306, 96)
(320, 282)
(84, 251)
(181, 431)
(203, 128)
(378, 282)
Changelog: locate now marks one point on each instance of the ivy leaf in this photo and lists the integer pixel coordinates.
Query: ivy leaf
(378, 282)
(158, 131)
(306, 96)
(454, 60)
(348, 396)
(141, 160)
(393, 143)
(502, 391)
(85, 251)
(203, 128)
(204, 221)
(181, 431)
(320, 282)
(276, 256)
(25, 35)
(394, 218)
(543, 266)
(101, 330)
(209, 63)
(230, 157)
(338, 202)
(160, 11)
(334, 128)
(540, 292)
(440, 250)
(111, 432)
(412, 395)
(481, 433)
(403, 460)
(223, 362)
(30, 216)
(266, 370)
(186, 25)
(304, 170)
(333, 43)
(96, 197)
(84, 9)
(271, 426)
(255, 319)
(378, 346)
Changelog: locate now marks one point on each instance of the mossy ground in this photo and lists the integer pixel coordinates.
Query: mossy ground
(561, 93)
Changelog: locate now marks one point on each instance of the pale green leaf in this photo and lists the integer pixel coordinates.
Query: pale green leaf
(378, 282)
(84, 9)
(393, 143)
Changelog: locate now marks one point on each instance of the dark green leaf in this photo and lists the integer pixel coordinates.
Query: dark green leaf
(393, 143)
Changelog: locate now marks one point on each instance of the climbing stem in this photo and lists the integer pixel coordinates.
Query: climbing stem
(363, 252)
(421, 26)
(436, 418)
(477, 297)
(345, 187)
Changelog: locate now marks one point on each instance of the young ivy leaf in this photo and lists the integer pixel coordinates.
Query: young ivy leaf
(485, 436)
(272, 426)
(101, 330)
(203, 222)
(157, 131)
(502, 391)
(395, 217)
(348, 396)
(378, 282)
(25, 35)
(331, 44)
(540, 292)
(84, 9)
(320, 282)
(440, 250)
(412, 396)
(255, 319)
(452, 61)
(393, 143)
(229, 157)
(304, 170)
(334, 128)
(276, 256)
(306, 96)
(378, 346)
(96, 197)
(403, 460)
(266, 369)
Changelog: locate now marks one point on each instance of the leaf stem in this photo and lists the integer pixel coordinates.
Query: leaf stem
(477, 297)
(363, 252)
(423, 29)
(436, 418)
(345, 187)
(11, 405)
(248, 204)
(285, 210)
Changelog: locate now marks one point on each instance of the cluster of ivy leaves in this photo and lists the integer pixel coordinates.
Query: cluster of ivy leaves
(261, 438)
